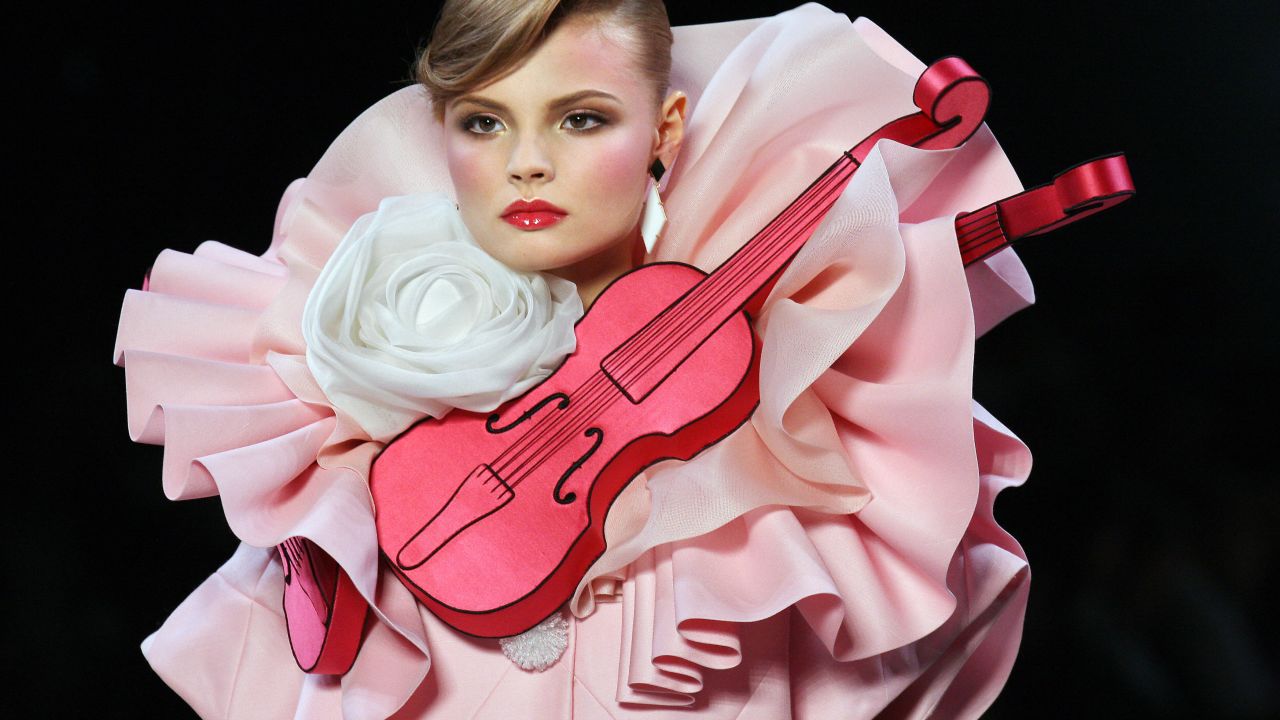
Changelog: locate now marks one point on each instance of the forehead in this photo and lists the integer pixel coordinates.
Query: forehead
(580, 54)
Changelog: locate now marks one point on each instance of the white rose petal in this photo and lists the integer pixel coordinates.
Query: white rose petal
(411, 318)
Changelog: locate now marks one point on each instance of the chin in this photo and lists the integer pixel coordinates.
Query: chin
(536, 251)
(521, 254)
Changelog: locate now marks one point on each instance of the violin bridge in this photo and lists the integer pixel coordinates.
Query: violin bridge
(478, 496)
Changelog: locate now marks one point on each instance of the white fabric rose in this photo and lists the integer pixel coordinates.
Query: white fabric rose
(411, 318)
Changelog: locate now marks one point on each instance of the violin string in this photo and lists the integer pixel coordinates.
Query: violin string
(553, 429)
(811, 208)
(968, 229)
(971, 220)
(706, 306)
(542, 429)
(980, 228)
(601, 402)
(743, 264)
(774, 240)
(587, 408)
(539, 437)
(543, 426)
(711, 296)
(676, 327)
(640, 346)
(803, 213)
(977, 226)
(988, 246)
(296, 551)
(982, 239)
(707, 300)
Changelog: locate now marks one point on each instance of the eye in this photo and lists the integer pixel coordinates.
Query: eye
(582, 121)
(483, 124)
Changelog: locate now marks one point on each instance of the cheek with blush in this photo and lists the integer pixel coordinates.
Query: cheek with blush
(467, 170)
(471, 170)
(619, 180)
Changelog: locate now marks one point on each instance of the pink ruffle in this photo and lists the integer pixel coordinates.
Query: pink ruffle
(920, 564)
(911, 606)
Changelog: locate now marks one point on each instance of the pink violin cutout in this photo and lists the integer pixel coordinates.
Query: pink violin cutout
(492, 520)
(323, 611)
(1075, 193)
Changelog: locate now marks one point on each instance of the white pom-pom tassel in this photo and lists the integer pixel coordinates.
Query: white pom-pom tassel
(539, 647)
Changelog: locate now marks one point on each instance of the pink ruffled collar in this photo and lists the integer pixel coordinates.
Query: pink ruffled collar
(851, 519)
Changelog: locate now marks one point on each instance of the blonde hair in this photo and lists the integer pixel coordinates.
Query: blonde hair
(476, 42)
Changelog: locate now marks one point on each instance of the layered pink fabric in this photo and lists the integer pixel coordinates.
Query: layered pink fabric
(835, 557)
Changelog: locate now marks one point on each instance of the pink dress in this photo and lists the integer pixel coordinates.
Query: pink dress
(836, 557)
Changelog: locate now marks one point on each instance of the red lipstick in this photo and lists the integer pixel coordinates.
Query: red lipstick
(533, 214)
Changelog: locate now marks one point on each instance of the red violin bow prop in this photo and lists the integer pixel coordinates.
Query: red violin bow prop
(491, 521)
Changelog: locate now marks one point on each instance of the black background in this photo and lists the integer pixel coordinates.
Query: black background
(1139, 379)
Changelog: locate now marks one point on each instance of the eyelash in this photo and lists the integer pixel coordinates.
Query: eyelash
(599, 120)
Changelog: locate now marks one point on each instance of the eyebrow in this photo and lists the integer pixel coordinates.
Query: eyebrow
(559, 102)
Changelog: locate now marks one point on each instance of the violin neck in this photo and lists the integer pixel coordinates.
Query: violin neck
(952, 99)
(641, 363)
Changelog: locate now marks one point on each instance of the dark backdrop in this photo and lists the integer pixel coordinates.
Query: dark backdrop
(1138, 379)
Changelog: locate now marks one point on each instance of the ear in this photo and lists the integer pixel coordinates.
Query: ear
(670, 131)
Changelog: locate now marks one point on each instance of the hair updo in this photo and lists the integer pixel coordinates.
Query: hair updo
(476, 42)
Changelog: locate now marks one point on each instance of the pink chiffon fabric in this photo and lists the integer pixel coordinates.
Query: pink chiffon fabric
(836, 557)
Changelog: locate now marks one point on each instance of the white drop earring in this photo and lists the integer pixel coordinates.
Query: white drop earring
(655, 217)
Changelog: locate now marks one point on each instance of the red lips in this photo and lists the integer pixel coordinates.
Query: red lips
(533, 206)
(533, 214)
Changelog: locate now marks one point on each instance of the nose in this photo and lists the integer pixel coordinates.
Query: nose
(529, 162)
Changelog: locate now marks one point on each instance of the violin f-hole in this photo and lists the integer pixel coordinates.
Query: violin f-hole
(565, 500)
(489, 422)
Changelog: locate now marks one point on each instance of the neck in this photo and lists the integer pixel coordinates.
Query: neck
(592, 275)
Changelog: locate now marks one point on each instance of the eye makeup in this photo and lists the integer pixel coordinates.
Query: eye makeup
(578, 121)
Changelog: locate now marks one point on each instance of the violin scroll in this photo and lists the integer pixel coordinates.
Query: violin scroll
(955, 97)
(1075, 193)
(953, 100)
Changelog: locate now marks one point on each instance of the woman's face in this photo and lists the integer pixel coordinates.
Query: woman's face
(575, 126)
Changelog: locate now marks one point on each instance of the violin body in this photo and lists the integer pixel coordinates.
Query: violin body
(323, 611)
(492, 520)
